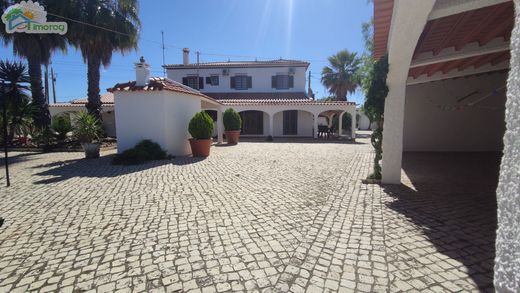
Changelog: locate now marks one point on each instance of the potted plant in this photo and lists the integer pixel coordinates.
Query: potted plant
(232, 125)
(87, 129)
(201, 129)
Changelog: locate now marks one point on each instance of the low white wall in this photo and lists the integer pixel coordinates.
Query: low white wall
(107, 115)
(161, 116)
(480, 128)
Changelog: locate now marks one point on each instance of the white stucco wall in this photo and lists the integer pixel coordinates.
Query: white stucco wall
(480, 128)
(161, 116)
(507, 261)
(261, 78)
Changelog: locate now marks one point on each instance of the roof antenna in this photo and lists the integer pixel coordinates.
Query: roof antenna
(163, 48)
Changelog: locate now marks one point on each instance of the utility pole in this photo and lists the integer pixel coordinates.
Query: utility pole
(53, 80)
(163, 59)
(198, 78)
(4, 122)
(47, 83)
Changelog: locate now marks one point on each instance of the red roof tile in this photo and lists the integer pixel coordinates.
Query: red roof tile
(158, 84)
(283, 102)
(106, 98)
(270, 63)
(258, 96)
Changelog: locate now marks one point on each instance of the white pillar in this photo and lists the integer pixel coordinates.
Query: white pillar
(353, 124)
(409, 17)
(271, 126)
(220, 126)
(330, 119)
(316, 125)
(340, 128)
(507, 270)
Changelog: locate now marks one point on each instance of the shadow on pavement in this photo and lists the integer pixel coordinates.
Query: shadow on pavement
(452, 197)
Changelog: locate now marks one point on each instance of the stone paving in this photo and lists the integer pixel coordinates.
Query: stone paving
(270, 217)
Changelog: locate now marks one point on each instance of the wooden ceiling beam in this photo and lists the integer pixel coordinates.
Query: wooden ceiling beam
(461, 21)
(480, 26)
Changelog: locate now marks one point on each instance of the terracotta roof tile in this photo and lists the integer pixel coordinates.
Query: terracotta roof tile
(158, 84)
(276, 63)
(106, 98)
(282, 102)
(259, 96)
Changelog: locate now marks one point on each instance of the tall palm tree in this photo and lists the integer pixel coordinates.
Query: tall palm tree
(340, 78)
(102, 28)
(15, 82)
(37, 49)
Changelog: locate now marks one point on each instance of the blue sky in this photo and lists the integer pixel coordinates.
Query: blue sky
(226, 29)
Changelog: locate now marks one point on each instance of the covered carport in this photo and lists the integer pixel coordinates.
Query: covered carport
(444, 120)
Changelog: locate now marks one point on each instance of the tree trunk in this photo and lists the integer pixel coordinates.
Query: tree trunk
(42, 116)
(93, 77)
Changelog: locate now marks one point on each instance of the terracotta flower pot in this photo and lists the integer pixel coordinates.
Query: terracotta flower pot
(200, 147)
(232, 136)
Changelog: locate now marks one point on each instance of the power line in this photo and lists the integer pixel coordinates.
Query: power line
(166, 46)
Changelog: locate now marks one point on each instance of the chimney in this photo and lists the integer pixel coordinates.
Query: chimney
(186, 56)
(142, 72)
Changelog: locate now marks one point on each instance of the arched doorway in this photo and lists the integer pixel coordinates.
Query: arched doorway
(253, 122)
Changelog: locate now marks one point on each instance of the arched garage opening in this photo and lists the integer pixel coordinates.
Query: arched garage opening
(293, 123)
(254, 122)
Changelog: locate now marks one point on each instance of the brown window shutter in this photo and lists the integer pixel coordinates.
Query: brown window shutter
(232, 82)
(201, 83)
(273, 81)
(291, 81)
(185, 81)
(208, 80)
(249, 82)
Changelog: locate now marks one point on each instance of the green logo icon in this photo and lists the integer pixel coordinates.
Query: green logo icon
(30, 18)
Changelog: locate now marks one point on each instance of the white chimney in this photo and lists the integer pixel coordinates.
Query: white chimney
(142, 73)
(186, 56)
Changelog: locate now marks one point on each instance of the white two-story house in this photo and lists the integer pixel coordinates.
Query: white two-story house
(270, 96)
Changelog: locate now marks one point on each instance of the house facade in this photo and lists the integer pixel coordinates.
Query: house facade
(271, 96)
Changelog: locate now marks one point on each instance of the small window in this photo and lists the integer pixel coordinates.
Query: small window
(214, 80)
(282, 81)
(241, 82)
(193, 81)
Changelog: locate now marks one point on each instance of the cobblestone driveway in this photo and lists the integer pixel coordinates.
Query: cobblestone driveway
(252, 217)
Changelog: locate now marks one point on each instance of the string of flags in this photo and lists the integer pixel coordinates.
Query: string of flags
(474, 104)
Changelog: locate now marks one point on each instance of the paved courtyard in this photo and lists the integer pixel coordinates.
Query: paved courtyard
(252, 217)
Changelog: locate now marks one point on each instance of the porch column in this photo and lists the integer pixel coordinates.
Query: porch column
(340, 128)
(409, 17)
(316, 125)
(330, 119)
(507, 271)
(353, 124)
(220, 126)
(271, 126)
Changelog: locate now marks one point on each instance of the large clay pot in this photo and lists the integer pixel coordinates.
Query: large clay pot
(200, 147)
(91, 150)
(232, 136)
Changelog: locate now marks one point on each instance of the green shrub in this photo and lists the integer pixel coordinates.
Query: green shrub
(146, 150)
(232, 120)
(87, 127)
(61, 125)
(201, 126)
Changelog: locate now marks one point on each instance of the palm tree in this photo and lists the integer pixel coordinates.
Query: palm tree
(37, 49)
(340, 78)
(14, 81)
(102, 27)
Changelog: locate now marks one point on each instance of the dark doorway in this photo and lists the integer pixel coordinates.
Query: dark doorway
(290, 122)
(252, 122)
